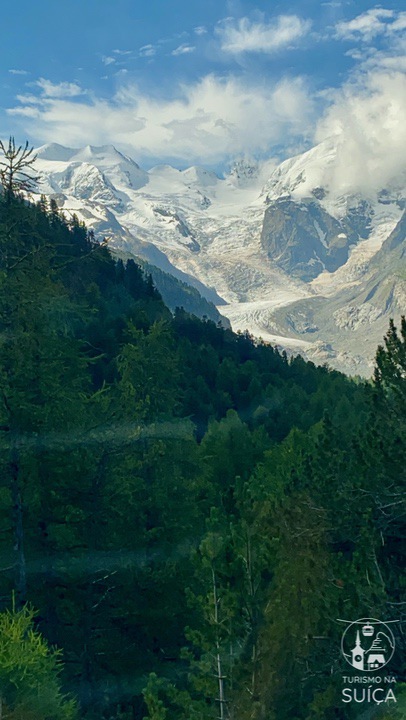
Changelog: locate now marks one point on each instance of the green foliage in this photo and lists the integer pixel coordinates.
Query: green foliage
(189, 510)
(29, 672)
(390, 372)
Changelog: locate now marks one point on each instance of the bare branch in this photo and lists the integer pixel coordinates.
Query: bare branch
(13, 169)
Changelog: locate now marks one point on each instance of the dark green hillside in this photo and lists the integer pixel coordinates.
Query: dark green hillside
(176, 293)
(189, 512)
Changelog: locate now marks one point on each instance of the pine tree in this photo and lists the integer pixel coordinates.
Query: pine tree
(390, 370)
(30, 687)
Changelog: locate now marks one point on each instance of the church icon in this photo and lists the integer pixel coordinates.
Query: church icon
(368, 644)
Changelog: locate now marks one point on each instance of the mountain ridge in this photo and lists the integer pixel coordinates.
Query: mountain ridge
(262, 247)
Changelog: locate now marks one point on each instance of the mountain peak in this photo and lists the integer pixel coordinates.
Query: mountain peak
(243, 172)
(55, 151)
(102, 154)
(199, 175)
(300, 175)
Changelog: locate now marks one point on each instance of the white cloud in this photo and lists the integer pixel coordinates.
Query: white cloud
(366, 26)
(147, 51)
(183, 50)
(13, 71)
(58, 90)
(367, 117)
(246, 36)
(209, 121)
(367, 113)
(394, 63)
(29, 99)
(108, 60)
(399, 24)
(392, 57)
(30, 111)
(389, 52)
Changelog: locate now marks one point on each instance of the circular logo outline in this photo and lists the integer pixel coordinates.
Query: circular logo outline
(367, 623)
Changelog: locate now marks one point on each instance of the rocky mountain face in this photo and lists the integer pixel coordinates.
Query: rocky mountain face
(345, 327)
(285, 252)
(303, 239)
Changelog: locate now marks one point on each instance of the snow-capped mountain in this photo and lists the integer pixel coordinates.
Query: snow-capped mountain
(290, 251)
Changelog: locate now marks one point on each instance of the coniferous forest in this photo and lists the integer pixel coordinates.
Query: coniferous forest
(186, 513)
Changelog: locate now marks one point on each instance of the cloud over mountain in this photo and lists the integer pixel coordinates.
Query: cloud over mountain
(247, 85)
(368, 116)
(209, 120)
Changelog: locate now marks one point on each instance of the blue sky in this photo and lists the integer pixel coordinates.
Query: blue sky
(202, 82)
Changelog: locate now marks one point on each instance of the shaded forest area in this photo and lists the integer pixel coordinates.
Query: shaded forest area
(185, 513)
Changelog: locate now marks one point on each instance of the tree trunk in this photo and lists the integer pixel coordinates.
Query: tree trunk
(220, 677)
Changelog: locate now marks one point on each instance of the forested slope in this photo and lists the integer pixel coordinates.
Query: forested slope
(189, 511)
